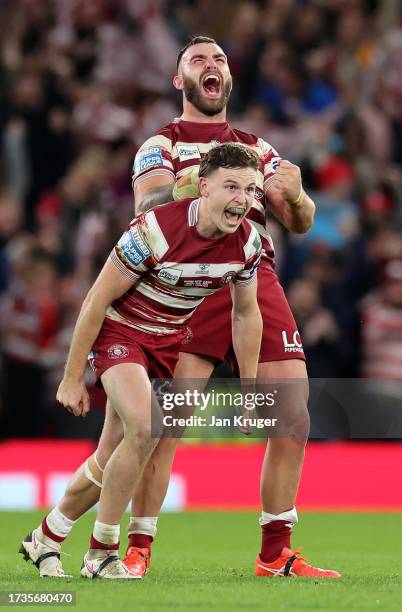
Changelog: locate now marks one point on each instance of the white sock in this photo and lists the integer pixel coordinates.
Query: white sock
(58, 523)
(289, 515)
(106, 534)
(143, 524)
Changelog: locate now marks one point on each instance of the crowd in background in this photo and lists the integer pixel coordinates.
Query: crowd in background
(83, 84)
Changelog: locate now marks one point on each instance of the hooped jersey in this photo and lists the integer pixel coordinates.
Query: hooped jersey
(179, 147)
(173, 268)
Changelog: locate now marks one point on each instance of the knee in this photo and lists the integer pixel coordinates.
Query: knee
(289, 447)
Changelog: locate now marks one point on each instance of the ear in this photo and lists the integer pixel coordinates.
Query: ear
(178, 82)
(203, 187)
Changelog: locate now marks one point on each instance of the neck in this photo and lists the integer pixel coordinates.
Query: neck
(191, 113)
(205, 226)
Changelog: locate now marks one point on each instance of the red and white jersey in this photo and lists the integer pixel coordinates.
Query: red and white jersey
(179, 147)
(174, 268)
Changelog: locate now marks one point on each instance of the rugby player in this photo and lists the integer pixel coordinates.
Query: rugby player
(134, 316)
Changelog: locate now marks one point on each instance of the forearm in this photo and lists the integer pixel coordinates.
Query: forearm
(246, 334)
(297, 217)
(301, 216)
(86, 331)
(154, 198)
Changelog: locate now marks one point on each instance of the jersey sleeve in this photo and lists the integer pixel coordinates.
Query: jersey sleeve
(133, 255)
(153, 157)
(252, 252)
(270, 161)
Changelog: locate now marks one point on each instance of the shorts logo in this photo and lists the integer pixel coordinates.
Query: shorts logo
(227, 278)
(151, 158)
(292, 347)
(117, 351)
(133, 247)
(188, 335)
(170, 275)
(188, 152)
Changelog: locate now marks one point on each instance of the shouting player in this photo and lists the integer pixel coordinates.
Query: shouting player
(134, 316)
(167, 166)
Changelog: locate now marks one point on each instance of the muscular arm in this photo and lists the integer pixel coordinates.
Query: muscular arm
(152, 191)
(297, 219)
(246, 328)
(110, 285)
(288, 201)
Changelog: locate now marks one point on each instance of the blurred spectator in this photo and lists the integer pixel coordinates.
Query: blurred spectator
(382, 326)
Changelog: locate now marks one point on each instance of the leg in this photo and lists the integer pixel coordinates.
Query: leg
(151, 491)
(280, 476)
(129, 390)
(123, 471)
(283, 461)
(82, 492)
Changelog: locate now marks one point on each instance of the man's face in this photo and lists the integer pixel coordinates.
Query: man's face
(229, 195)
(205, 78)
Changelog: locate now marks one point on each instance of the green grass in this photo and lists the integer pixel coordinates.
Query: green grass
(204, 561)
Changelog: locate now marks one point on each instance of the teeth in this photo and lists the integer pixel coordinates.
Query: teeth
(236, 211)
(211, 76)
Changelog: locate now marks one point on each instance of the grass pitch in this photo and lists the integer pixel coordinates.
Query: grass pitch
(204, 561)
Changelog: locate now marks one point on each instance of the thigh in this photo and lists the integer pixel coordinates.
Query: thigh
(129, 391)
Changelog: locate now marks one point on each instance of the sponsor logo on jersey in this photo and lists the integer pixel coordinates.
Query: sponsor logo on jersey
(170, 275)
(151, 158)
(292, 347)
(227, 278)
(215, 143)
(272, 165)
(203, 268)
(258, 194)
(133, 247)
(197, 283)
(188, 152)
(117, 351)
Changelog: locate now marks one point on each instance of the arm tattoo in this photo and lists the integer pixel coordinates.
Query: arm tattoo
(161, 196)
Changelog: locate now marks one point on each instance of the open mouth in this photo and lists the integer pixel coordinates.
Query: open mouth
(234, 214)
(211, 85)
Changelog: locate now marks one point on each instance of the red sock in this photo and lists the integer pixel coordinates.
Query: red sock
(140, 540)
(96, 544)
(275, 535)
(50, 534)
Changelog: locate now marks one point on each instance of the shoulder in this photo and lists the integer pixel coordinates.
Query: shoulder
(250, 239)
(162, 138)
(165, 224)
(261, 146)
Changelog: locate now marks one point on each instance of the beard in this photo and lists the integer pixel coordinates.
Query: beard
(194, 95)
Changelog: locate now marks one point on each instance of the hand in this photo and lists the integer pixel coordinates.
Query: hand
(73, 395)
(286, 183)
(187, 186)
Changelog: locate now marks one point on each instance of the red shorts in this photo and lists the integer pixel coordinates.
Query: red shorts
(209, 331)
(118, 343)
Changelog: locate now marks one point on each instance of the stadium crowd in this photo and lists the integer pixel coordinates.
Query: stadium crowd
(83, 84)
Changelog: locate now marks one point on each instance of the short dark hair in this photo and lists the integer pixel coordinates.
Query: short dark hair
(228, 155)
(196, 40)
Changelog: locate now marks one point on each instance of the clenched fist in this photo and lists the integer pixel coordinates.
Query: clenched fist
(286, 183)
(73, 395)
(187, 186)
